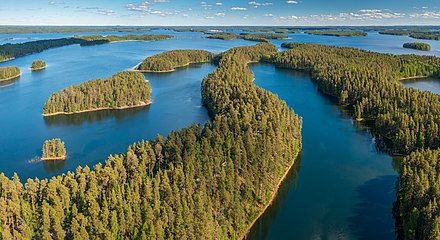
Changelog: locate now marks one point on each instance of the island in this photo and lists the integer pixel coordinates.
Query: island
(11, 51)
(9, 73)
(337, 33)
(414, 33)
(54, 149)
(38, 65)
(257, 37)
(169, 61)
(418, 46)
(124, 90)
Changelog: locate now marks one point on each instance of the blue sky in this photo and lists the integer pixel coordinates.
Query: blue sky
(220, 12)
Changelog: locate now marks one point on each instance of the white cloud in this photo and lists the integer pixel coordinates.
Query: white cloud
(238, 9)
(160, 1)
(56, 3)
(426, 14)
(268, 15)
(257, 4)
(220, 14)
(219, 4)
(143, 7)
(292, 2)
(105, 12)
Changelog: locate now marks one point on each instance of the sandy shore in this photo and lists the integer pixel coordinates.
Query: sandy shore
(37, 69)
(415, 77)
(96, 109)
(53, 158)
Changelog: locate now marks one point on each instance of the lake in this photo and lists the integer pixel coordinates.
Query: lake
(341, 186)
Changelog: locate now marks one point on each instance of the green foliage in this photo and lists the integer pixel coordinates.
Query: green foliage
(368, 82)
(125, 89)
(259, 37)
(57, 29)
(169, 61)
(7, 73)
(224, 36)
(199, 183)
(53, 149)
(415, 33)
(99, 39)
(419, 194)
(38, 64)
(418, 46)
(337, 33)
(427, 35)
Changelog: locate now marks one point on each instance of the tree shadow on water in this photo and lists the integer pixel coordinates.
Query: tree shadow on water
(373, 217)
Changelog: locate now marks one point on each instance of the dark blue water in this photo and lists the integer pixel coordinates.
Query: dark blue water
(428, 84)
(344, 188)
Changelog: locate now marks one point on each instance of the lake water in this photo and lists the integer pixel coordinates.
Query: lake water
(341, 188)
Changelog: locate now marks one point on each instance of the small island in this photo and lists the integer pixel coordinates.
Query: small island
(99, 39)
(257, 37)
(124, 90)
(418, 46)
(9, 73)
(169, 61)
(38, 65)
(54, 149)
(337, 33)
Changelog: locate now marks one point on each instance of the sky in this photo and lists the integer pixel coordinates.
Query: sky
(220, 12)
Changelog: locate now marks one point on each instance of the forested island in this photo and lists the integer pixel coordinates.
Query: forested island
(201, 182)
(10, 51)
(9, 73)
(123, 90)
(418, 34)
(38, 65)
(337, 33)
(257, 37)
(54, 149)
(418, 46)
(169, 61)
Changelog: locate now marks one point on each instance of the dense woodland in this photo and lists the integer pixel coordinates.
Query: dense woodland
(418, 46)
(337, 33)
(125, 89)
(10, 51)
(76, 29)
(38, 64)
(7, 73)
(419, 195)
(202, 182)
(53, 149)
(418, 34)
(169, 61)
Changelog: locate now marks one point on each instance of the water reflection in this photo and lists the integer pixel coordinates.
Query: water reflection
(91, 117)
(53, 166)
(8, 82)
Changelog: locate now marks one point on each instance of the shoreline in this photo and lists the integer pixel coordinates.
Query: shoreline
(412, 78)
(96, 109)
(8, 59)
(53, 158)
(10, 78)
(274, 195)
(37, 69)
(164, 71)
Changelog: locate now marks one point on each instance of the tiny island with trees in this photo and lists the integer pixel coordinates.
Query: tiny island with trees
(124, 90)
(9, 73)
(418, 46)
(54, 149)
(38, 65)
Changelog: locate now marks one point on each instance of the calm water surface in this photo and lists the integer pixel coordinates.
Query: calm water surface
(429, 84)
(340, 188)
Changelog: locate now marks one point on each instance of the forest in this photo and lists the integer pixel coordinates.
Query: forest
(8, 73)
(169, 61)
(76, 29)
(123, 90)
(201, 182)
(53, 149)
(414, 33)
(419, 193)
(38, 65)
(10, 51)
(418, 46)
(337, 33)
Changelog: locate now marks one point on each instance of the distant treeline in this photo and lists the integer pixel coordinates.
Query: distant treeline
(418, 46)
(10, 51)
(8, 73)
(337, 33)
(258, 37)
(123, 90)
(418, 34)
(169, 61)
(54, 29)
(201, 182)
